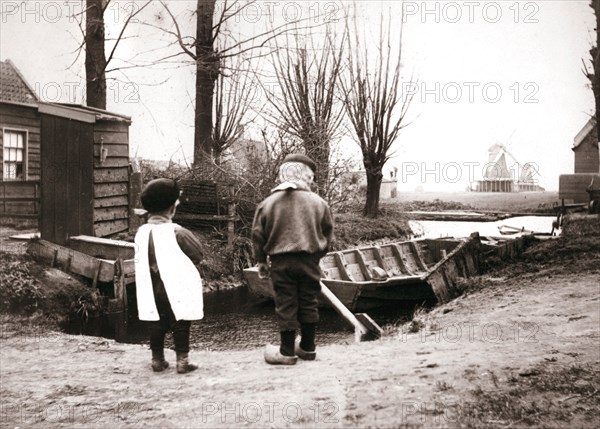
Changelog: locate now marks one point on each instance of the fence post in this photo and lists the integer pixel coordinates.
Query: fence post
(135, 191)
(231, 221)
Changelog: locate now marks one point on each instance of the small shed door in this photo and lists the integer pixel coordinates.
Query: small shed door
(67, 157)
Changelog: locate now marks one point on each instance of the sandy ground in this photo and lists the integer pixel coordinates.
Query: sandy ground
(487, 340)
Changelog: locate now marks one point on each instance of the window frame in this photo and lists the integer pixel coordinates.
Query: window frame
(25, 132)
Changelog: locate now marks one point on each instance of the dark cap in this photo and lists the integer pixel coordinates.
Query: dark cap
(298, 157)
(159, 195)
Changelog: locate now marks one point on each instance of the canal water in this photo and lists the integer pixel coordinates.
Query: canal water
(442, 229)
(236, 319)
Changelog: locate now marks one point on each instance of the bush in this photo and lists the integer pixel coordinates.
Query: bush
(20, 291)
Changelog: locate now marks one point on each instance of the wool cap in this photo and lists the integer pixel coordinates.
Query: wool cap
(159, 195)
(298, 157)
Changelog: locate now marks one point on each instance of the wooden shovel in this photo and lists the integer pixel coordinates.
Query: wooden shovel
(365, 328)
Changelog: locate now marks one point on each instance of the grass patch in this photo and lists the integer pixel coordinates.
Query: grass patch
(539, 397)
(31, 292)
(352, 229)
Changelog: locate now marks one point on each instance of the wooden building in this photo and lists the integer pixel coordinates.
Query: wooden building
(20, 140)
(585, 148)
(66, 166)
(574, 187)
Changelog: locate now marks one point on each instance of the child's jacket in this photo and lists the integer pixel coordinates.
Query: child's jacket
(181, 279)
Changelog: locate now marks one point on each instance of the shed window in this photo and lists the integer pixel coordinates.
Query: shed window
(14, 155)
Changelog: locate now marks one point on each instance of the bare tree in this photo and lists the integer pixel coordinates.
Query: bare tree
(232, 105)
(307, 107)
(594, 74)
(94, 39)
(210, 49)
(375, 106)
(95, 59)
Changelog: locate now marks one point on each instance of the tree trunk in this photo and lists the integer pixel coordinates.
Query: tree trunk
(207, 71)
(319, 152)
(95, 61)
(374, 178)
(596, 59)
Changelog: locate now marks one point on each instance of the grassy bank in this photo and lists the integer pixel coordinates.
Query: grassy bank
(32, 293)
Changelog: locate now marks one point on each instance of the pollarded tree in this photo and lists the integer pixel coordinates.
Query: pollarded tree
(374, 102)
(305, 102)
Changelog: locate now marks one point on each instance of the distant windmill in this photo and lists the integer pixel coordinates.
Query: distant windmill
(499, 176)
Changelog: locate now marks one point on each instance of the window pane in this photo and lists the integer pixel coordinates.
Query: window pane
(18, 155)
(20, 140)
(9, 171)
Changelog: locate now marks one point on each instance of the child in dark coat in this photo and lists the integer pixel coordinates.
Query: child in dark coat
(168, 285)
(294, 228)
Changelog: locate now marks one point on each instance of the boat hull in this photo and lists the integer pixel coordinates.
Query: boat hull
(419, 270)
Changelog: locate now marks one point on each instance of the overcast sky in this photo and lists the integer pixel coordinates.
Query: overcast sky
(482, 72)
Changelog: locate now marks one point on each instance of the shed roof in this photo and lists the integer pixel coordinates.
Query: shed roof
(81, 113)
(13, 86)
(583, 133)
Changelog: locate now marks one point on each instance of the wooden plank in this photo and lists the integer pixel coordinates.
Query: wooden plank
(111, 175)
(77, 262)
(361, 332)
(111, 126)
(102, 190)
(111, 162)
(32, 124)
(191, 217)
(62, 136)
(17, 207)
(107, 137)
(86, 189)
(573, 186)
(48, 178)
(106, 229)
(119, 200)
(24, 189)
(73, 178)
(116, 150)
(342, 267)
(110, 213)
(103, 248)
(19, 111)
(418, 257)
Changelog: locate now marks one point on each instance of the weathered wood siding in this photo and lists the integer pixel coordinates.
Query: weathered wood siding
(20, 199)
(27, 119)
(587, 159)
(573, 186)
(67, 188)
(111, 178)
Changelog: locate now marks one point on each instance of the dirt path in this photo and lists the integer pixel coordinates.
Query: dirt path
(488, 341)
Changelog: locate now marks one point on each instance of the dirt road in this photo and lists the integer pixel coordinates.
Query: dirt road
(489, 342)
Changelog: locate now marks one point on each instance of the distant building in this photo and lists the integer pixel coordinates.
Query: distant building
(585, 148)
(498, 176)
(243, 152)
(574, 187)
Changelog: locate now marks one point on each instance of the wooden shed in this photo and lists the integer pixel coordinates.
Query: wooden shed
(585, 148)
(573, 187)
(84, 172)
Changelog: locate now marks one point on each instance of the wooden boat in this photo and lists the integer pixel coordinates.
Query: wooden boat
(416, 270)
